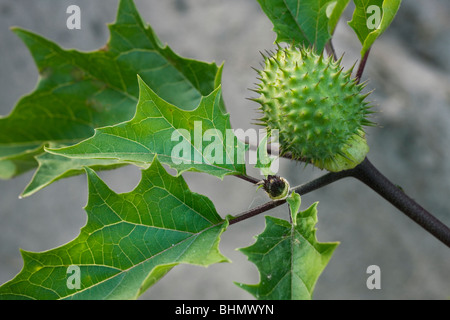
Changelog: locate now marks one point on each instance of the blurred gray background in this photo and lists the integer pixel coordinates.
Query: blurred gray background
(409, 68)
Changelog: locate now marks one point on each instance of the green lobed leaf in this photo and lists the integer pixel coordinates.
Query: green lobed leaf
(129, 242)
(334, 12)
(54, 167)
(15, 165)
(288, 256)
(264, 160)
(303, 22)
(80, 91)
(364, 17)
(178, 137)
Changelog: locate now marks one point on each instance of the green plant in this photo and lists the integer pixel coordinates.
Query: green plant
(318, 110)
(132, 240)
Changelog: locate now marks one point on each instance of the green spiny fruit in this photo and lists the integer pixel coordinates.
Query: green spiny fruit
(318, 108)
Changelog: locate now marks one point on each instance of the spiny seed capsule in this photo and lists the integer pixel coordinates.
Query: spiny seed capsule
(302, 90)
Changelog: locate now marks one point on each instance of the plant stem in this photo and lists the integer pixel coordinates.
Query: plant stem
(286, 155)
(361, 66)
(302, 189)
(248, 178)
(256, 210)
(369, 175)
